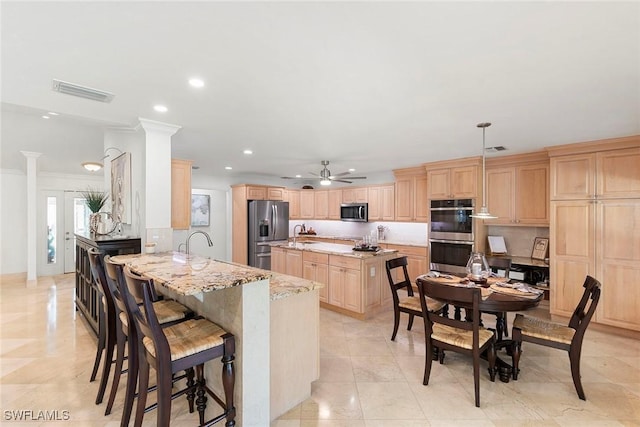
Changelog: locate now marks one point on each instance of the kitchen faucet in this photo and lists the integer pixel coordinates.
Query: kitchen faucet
(294, 233)
(209, 242)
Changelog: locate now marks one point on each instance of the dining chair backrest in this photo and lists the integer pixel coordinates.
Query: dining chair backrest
(586, 307)
(398, 266)
(467, 296)
(147, 324)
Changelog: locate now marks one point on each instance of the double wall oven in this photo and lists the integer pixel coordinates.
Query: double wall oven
(451, 234)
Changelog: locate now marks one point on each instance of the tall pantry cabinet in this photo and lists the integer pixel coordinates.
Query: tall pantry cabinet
(594, 227)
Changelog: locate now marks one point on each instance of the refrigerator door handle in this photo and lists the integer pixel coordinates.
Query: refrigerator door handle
(263, 255)
(274, 219)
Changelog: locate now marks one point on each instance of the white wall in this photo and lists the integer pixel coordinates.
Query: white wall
(13, 205)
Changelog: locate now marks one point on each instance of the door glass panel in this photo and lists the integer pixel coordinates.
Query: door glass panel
(51, 230)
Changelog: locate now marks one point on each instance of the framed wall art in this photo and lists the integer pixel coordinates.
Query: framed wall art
(540, 248)
(200, 210)
(121, 188)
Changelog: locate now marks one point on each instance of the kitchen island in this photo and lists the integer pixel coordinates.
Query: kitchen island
(357, 283)
(274, 317)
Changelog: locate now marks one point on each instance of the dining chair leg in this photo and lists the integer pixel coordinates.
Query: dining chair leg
(396, 322)
(574, 359)
(143, 386)
(516, 350)
(476, 379)
(410, 325)
(164, 382)
(427, 363)
(120, 347)
(101, 345)
(108, 361)
(132, 379)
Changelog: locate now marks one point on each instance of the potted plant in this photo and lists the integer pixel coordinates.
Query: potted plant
(95, 200)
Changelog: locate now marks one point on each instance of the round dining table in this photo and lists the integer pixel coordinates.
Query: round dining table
(493, 302)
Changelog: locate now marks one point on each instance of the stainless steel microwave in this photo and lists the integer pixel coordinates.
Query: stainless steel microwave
(355, 212)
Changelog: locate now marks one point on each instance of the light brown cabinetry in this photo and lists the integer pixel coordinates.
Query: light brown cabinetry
(293, 197)
(307, 204)
(293, 263)
(518, 190)
(354, 195)
(260, 192)
(595, 221)
(278, 260)
(321, 204)
(381, 203)
(458, 181)
(417, 259)
(411, 195)
(345, 283)
(180, 194)
(335, 198)
(315, 267)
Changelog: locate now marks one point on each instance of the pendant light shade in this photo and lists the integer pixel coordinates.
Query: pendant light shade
(484, 211)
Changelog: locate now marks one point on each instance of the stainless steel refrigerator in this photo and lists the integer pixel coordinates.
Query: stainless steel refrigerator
(268, 223)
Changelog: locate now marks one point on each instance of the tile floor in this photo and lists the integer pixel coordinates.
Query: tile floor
(366, 380)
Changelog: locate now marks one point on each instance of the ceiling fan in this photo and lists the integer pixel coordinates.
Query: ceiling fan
(326, 178)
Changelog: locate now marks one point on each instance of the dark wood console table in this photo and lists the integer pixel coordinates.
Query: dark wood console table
(88, 294)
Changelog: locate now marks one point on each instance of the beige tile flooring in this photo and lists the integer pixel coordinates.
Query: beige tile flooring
(46, 356)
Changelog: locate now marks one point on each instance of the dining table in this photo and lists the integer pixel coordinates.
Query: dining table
(498, 297)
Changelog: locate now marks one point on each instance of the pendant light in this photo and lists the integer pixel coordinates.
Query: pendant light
(484, 212)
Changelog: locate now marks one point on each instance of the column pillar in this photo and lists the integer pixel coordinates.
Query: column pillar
(157, 200)
(32, 275)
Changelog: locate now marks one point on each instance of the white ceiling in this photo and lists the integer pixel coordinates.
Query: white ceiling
(367, 85)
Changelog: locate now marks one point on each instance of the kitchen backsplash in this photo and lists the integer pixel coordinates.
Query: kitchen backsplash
(395, 231)
(518, 240)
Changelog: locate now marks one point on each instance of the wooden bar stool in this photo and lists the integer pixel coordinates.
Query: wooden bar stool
(118, 331)
(181, 347)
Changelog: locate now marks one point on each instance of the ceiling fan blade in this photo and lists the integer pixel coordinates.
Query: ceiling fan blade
(357, 177)
(340, 174)
(341, 180)
(314, 174)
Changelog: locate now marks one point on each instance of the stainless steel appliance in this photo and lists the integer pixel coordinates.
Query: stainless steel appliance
(268, 223)
(355, 212)
(451, 237)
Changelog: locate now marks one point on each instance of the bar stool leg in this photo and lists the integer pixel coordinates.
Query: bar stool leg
(143, 386)
(191, 389)
(132, 378)
(201, 400)
(229, 378)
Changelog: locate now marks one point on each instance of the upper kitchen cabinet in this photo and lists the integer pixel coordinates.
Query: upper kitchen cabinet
(307, 204)
(382, 203)
(456, 179)
(260, 192)
(411, 194)
(602, 169)
(335, 198)
(180, 194)
(518, 189)
(321, 204)
(354, 195)
(293, 197)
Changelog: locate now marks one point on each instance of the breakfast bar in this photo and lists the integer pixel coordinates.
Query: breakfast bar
(274, 317)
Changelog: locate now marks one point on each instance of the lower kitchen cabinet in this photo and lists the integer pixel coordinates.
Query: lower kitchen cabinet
(315, 267)
(417, 259)
(345, 280)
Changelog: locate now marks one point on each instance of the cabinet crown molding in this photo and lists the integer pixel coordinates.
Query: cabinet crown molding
(416, 170)
(632, 141)
(517, 159)
(455, 163)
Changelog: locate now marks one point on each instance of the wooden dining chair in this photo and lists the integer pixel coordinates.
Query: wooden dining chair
(556, 335)
(409, 304)
(462, 336)
(185, 346)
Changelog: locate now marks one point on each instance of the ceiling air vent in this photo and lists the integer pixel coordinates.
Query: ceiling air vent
(495, 149)
(82, 91)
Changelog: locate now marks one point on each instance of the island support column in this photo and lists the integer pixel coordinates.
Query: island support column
(244, 311)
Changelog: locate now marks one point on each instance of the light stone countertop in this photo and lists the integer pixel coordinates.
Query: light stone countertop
(333, 249)
(194, 274)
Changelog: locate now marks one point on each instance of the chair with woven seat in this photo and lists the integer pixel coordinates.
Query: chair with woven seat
(121, 336)
(181, 347)
(409, 304)
(462, 336)
(555, 335)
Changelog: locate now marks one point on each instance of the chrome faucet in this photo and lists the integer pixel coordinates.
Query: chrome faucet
(294, 233)
(209, 242)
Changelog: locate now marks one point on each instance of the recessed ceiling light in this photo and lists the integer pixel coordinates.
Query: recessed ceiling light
(228, 168)
(160, 108)
(298, 176)
(248, 152)
(45, 117)
(195, 82)
(352, 170)
(51, 113)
